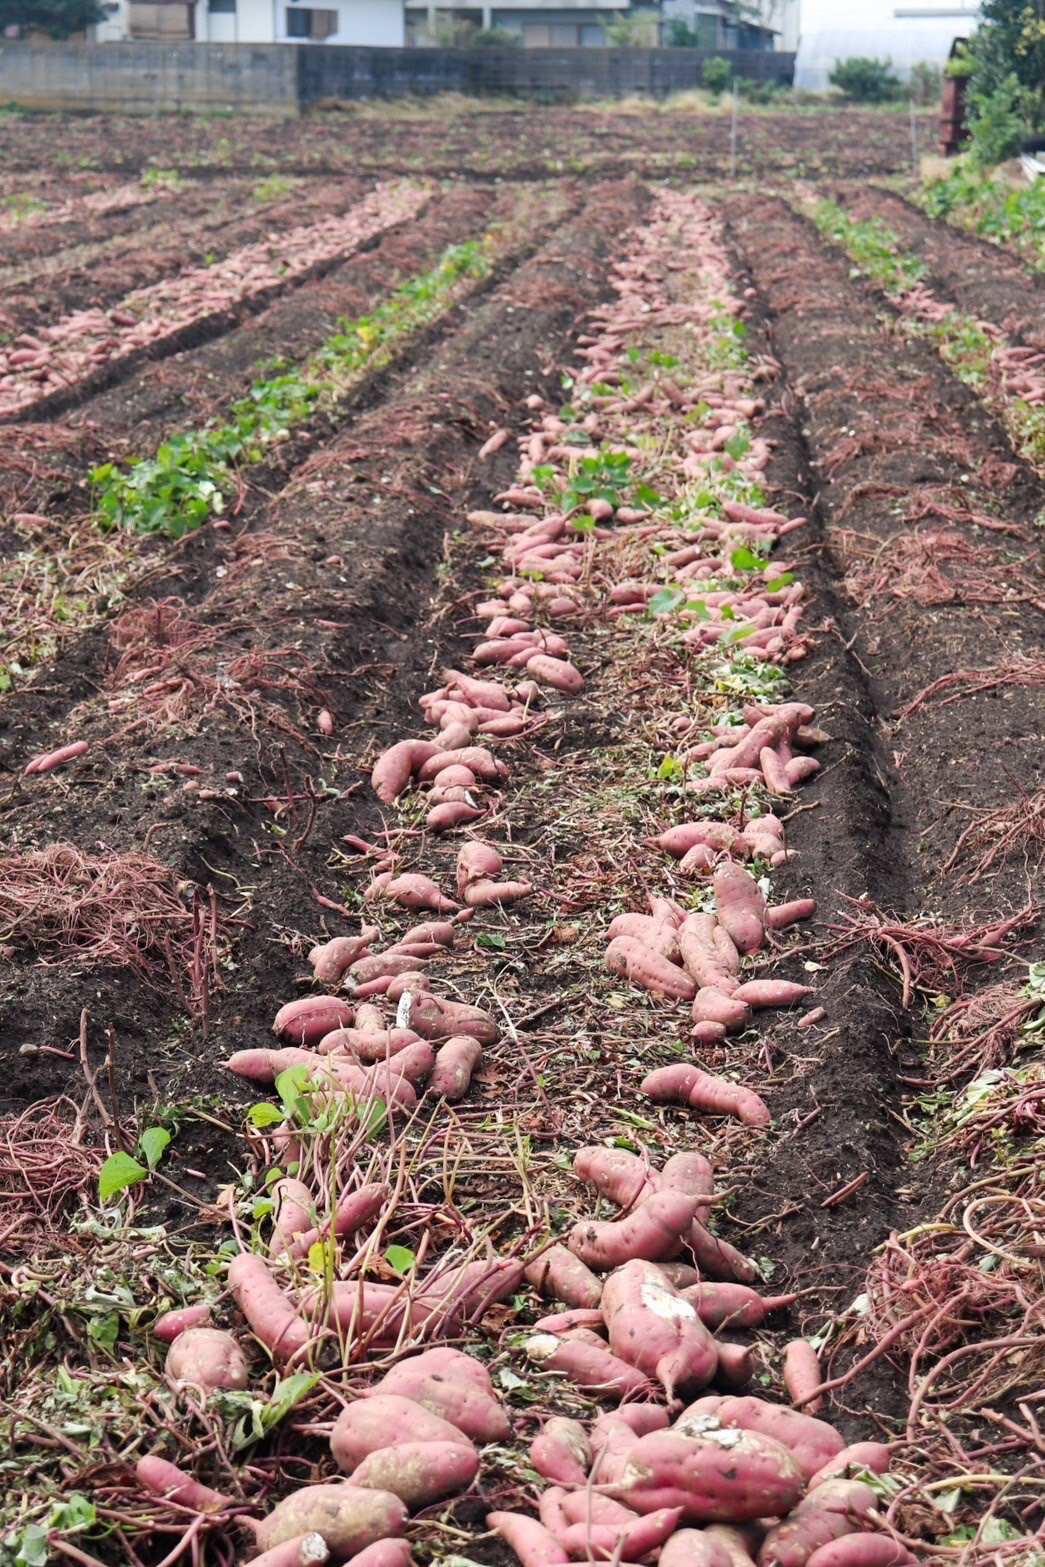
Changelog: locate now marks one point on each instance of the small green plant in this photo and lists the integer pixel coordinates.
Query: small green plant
(715, 74)
(874, 247)
(161, 179)
(272, 188)
(864, 80)
(122, 1170)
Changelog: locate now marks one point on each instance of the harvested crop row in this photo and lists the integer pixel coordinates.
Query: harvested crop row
(196, 225)
(954, 841)
(62, 357)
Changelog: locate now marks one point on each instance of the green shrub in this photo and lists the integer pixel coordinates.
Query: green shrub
(998, 122)
(923, 83)
(866, 81)
(715, 74)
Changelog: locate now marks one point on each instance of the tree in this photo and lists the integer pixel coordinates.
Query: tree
(1010, 41)
(57, 18)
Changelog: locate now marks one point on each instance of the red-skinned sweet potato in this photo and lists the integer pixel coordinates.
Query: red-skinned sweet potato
(631, 1541)
(862, 1550)
(720, 1475)
(623, 1177)
(530, 1540)
(632, 959)
(171, 1324)
(561, 1451)
(394, 768)
(802, 1375)
(382, 1420)
(271, 1316)
(419, 1473)
(588, 1364)
(740, 906)
(689, 1085)
(872, 1457)
(653, 1231)
(349, 1518)
(694, 1548)
(208, 1359)
(444, 1391)
(167, 1480)
(304, 1550)
(353, 1210)
(435, 1018)
(733, 1305)
(558, 1273)
(657, 1331)
(455, 1061)
(332, 959)
(812, 1442)
(383, 1553)
(304, 1022)
(833, 1510)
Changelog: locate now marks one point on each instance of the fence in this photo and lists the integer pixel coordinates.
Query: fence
(285, 79)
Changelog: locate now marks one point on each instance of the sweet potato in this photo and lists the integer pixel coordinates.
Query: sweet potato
(556, 672)
(834, 1509)
(476, 862)
(369, 1019)
(738, 1544)
(657, 1331)
(304, 1022)
(530, 1540)
(435, 1018)
(872, 1457)
(659, 935)
(395, 767)
(304, 1550)
(171, 1324)
(378, 964)
(167, 1480)
(694, 1548)
(612, 1439)
(291, 1213)
(691, 1173)
(862, 1550)
(558, 1273)
(621, 1176)
(589, 1365)
(562, 1321)
(411, 890)
(702, 956)
(635, 961)
(631, 1541)
(419, 1473)
(206, 1358)
(784, 914)
(732, 1305)
(711, 1005)
(812, 1442)
(477, 758)
(716, 1476)
(590, 1505)
(365, 1045)
(561, 1451)
(331, 960)
(689, 1085)
(736, 1366)
(718, 1258)
(52, 759)
(484, 894)
(353, 1210)
(653, 1231)
(770, 992)
(348, 1517)
(447, 1393)
(740, 906)
(457, 1363)
(270, 1314)
(383, 1420)
(450, 814)
(455, 1061)
(802, 1375)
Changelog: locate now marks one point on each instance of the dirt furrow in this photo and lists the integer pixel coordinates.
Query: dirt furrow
(927, 522)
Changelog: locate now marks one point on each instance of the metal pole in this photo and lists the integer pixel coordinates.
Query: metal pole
(914, 139)
(733, 131)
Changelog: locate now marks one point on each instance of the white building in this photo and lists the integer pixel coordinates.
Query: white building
(901, 30)
(369, 22)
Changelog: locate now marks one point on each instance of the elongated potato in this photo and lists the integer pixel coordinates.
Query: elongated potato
(561, 1451)
(655, 1329)
(558, 1273)
(304, 1022)
(455, 1061)
(652, 1232)
(447, 1394)
(590, 1365)
(834, 1509)
(530, 1540)
(694, 1548)
(419, 1473)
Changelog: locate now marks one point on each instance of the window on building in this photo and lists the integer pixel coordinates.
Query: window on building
(222, 7)
(306, 22)
(565, 35)
(592, 35)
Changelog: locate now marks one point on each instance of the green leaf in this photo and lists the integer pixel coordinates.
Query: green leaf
(647, 496)
(400, 1259)
(670, 767)
(291, 1085)
(75, 1512)
(120, 1170)
(666, 600)
(287, 1392)
(746, 560)
(491, 940)
(34, 1548)
(104, 1330)
(264, 1114)
(153, 1142)
(318, 1258)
